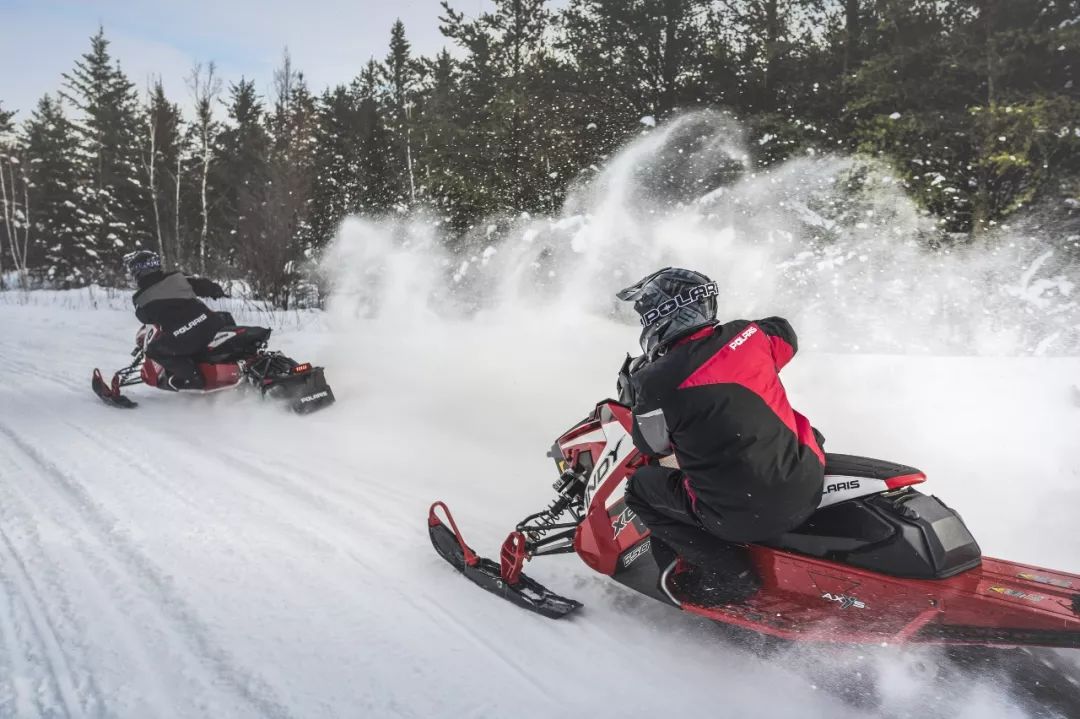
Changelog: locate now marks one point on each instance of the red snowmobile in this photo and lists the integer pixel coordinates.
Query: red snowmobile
(879, 562)
(237, 356)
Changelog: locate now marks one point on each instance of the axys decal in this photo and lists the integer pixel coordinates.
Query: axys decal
(1052, 581)
(837, 589)
(844, 601)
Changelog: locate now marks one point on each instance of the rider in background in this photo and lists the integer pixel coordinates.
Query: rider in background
(169, 300)
(749, 467)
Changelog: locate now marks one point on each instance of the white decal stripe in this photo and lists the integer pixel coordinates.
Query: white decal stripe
(858, 487)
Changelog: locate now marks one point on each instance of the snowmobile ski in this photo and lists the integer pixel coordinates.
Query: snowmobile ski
(110, 393)
(503, 579)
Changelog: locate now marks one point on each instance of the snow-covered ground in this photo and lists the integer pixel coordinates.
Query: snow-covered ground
(218, 557)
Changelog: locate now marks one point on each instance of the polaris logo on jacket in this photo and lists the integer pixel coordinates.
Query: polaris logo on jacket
(194, 323)
(679, 301)
(741, 339)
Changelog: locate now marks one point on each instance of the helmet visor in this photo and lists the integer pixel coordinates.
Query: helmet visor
(634, 291)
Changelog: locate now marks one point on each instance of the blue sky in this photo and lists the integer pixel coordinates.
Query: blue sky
(330, 40)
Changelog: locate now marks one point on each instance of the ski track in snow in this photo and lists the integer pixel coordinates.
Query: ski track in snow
(223, 558)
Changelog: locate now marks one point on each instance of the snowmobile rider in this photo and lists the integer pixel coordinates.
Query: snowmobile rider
(168, 299)
(749, 467)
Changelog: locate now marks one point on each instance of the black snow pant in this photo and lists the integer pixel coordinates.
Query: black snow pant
(659, 497)
(177, 355)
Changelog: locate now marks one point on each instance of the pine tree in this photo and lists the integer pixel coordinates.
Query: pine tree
(283, 226)
(6, 117)
(442, 143)
(51, 148)
(400, 76)
(504, 48)
(379, 190)
(243, 172)
(337, 181)
(118, 214)
(969, 99)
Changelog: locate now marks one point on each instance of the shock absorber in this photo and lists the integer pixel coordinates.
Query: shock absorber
(570, 487)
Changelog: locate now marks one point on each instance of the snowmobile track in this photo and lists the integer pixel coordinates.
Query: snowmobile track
(146, 575)
(61, 679)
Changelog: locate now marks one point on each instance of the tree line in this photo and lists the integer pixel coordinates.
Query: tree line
(973, 102)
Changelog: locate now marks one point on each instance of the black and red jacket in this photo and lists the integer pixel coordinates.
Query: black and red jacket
(170, 299)
(754, 466)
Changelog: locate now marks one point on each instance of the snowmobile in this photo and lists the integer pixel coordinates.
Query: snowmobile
(879, 562)
(236, 357)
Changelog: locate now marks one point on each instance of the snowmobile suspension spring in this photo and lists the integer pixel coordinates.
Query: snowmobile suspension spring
(551, 515)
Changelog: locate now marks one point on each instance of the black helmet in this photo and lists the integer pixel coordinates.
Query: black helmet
(141, 263)
(672, 303)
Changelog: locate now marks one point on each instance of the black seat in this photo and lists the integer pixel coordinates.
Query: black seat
(850, 465)
(245, 342)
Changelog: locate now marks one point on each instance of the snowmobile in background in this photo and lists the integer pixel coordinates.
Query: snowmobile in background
(878, 563)
(236, 357)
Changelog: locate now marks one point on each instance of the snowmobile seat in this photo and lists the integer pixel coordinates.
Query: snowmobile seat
(849, 465)
(232, 342)
(902, 533)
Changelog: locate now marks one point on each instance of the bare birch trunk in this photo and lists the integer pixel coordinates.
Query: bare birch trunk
(408, 154)
(176, 211)
(7, 222)
(151, 166)
(205, 91)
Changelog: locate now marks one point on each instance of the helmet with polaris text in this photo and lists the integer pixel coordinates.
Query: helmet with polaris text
(672, 303)
(141, 263)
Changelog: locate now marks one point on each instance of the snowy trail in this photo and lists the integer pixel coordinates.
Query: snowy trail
(197, 558)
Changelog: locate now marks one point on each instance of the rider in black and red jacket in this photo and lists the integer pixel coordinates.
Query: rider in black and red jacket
(749, 466)
(169, 300)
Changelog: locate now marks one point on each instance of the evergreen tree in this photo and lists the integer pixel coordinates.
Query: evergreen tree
(442, 140)
(283, 226)
(504, 48)
(243, 171)
(335, 188)
(51, 148)
(6, 124)
(117, 215)
(974, 102)
(379, 190)
(975, 137)
(400, 76)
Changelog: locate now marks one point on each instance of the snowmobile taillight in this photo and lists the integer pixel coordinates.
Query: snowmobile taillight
(905, 480)
(512, 557)
(301, 368)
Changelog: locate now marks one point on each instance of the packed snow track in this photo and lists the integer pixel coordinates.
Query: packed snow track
(221, 557)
